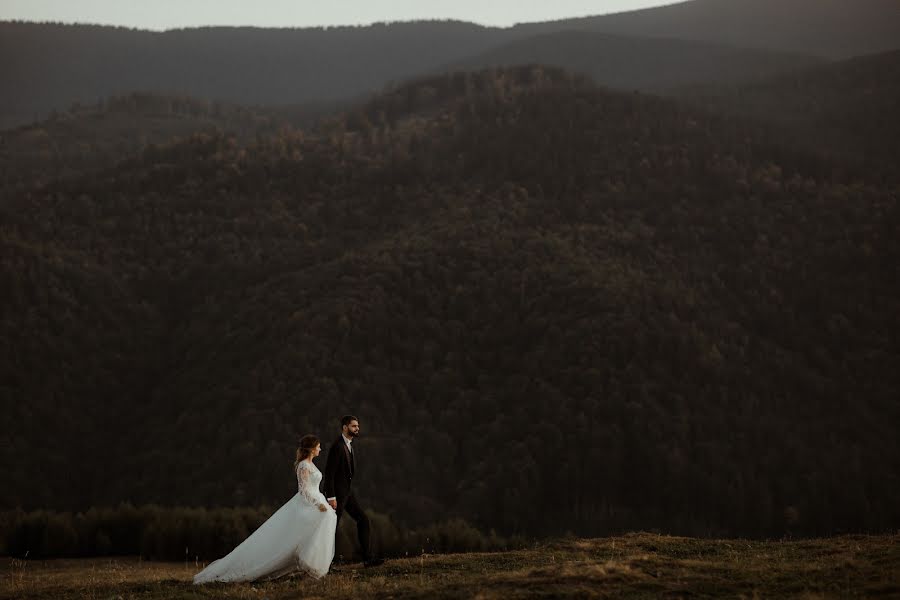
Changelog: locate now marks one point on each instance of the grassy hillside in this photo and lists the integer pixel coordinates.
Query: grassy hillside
(632, 566)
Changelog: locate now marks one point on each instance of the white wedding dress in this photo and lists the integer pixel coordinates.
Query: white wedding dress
(298, 537)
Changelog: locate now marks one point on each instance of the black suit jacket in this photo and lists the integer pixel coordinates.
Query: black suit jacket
(339, 469)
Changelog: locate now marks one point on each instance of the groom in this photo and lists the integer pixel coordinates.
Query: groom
(339, 471)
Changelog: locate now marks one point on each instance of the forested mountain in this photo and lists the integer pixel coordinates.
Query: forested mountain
(827, 28)
(651, 64)
(119, 127)
(51, 66)
(554, 308)
(845, 109)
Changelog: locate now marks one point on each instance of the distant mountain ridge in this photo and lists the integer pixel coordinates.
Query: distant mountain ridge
(828, 28)
(49, 66)
(652, 64)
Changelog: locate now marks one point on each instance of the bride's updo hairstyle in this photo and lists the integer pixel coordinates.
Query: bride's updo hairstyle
(308, 443)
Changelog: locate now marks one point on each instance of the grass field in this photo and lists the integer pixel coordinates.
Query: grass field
(640, 565)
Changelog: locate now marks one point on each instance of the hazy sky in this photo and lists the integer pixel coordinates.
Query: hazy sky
(167, 14)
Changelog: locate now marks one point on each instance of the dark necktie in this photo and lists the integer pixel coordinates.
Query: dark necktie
(350, 457)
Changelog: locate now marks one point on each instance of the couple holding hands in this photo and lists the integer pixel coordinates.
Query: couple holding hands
(300, 536)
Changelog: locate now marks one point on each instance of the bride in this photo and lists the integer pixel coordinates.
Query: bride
(298, 537)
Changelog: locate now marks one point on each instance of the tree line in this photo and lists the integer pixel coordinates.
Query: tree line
(199, 535)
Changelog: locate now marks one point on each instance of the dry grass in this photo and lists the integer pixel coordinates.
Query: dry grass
(638, 565)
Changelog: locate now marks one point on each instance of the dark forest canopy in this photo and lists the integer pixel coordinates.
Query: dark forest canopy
(844, 109)
(554, 307)
(118, 127)
(51, 66)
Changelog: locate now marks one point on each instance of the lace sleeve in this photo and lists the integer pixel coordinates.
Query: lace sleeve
(305, 486)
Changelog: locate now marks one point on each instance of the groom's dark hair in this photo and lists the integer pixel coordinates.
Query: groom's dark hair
(346, 419)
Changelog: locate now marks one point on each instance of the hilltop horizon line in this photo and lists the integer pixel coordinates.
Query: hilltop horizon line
(361, 25)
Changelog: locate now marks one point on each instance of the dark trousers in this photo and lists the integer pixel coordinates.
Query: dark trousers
(362, 521)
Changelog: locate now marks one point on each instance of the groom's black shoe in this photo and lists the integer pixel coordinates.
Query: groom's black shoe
(373, 562)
